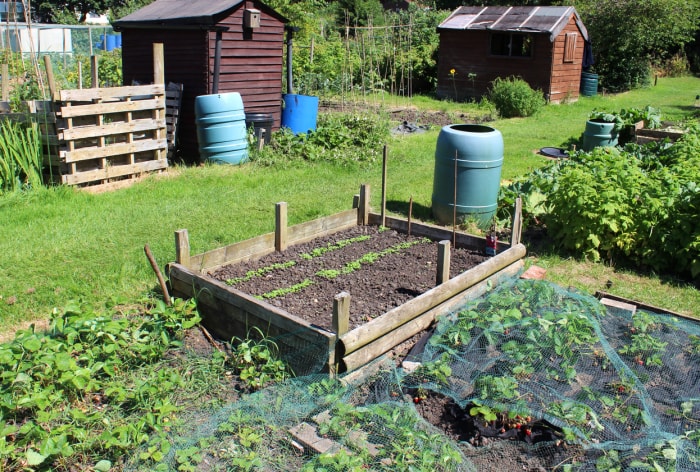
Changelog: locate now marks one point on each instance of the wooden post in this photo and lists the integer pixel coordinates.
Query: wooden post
(443, 262)
(281, 226)
(341, 313)
(80, 75)
(182, 247)
(384, 158)
(410, 214)
(363, 210)
(94, 75)
(49, 77)
(5, 83)
(158, 64)
(517, 226)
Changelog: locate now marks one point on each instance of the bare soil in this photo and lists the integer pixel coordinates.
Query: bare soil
(375, 288)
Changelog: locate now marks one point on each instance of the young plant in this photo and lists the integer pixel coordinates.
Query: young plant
(256, 360)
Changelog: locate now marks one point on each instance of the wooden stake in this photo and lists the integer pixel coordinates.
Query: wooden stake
(5, 83)
(281, 226)
(384, 158)
(94, 75)
(363, 210)
(158, 64)
(156, 269)
(443, 263)
(49, 77)
(182, 247)
(410, 213)
(517, 224)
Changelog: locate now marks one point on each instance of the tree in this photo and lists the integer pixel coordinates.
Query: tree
(628, 36)
(72, 11)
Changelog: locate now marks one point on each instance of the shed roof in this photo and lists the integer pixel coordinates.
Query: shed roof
(550, 20)
(182, 13)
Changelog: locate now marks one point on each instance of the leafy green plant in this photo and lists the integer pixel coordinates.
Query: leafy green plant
(256, 360)
(260, 272)
(513, 97)
(20, 156)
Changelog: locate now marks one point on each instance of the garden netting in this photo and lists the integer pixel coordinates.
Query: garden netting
(530, 376)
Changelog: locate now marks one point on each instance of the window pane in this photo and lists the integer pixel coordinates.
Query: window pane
(521, 45)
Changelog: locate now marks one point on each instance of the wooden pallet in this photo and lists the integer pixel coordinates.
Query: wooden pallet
(111, 134)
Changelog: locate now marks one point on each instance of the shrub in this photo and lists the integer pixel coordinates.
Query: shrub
(638, 204)
(513, 97)
(339, 137)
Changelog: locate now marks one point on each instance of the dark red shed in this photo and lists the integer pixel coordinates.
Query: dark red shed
(542, 45)
(210, 46)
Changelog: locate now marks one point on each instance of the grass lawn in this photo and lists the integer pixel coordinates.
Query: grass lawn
(61, 244)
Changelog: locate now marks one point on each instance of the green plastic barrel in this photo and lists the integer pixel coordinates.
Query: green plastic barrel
(589, 84)
(470, 156)
(221, 128)
(599, 133)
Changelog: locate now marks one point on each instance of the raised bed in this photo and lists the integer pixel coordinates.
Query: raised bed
(229, 313)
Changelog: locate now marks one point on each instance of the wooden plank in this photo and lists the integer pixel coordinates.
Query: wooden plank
(74, 111)
(423, 320)
(108, 129)
(107, 93)
(249, 249)
(396, 317)
(643, 306)
(307, 231)
(117, 149)
(112, 172)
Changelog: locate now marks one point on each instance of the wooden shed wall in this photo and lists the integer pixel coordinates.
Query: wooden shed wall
(185, 54)
(566, 76)
(469, 52)
(251, 62)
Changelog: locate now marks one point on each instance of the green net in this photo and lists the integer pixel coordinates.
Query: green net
(529, 377)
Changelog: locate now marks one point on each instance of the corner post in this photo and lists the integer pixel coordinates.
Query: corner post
(363, 210)
(182, 248)
(443, 262)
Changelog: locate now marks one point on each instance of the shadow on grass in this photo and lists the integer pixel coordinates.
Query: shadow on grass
(418, 211)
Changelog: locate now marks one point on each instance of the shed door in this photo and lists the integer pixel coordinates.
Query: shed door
(570, 47)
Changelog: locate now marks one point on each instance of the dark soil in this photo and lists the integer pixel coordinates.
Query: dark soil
(374, 288)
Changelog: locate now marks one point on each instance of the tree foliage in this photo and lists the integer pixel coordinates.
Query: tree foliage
(628, 36)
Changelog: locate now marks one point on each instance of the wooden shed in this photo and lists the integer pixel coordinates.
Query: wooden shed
(542, 45)
(211, 46)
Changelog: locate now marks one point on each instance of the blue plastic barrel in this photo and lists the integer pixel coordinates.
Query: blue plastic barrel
(221, 128)
(589, 84)
(117, 41)
(111, 42)
(599, 133)
(299, 113)
(474, 153)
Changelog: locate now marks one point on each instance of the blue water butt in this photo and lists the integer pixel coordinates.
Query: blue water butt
(111, 42)
(221, 128)
(475, 154)
(299, 113)
(117, 41)
(599, 133)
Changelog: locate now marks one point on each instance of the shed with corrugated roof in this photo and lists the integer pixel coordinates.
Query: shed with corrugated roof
(210, 46)
(548, 47)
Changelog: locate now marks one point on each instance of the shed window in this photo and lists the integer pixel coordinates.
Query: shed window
(511, 44)
(570, 47)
